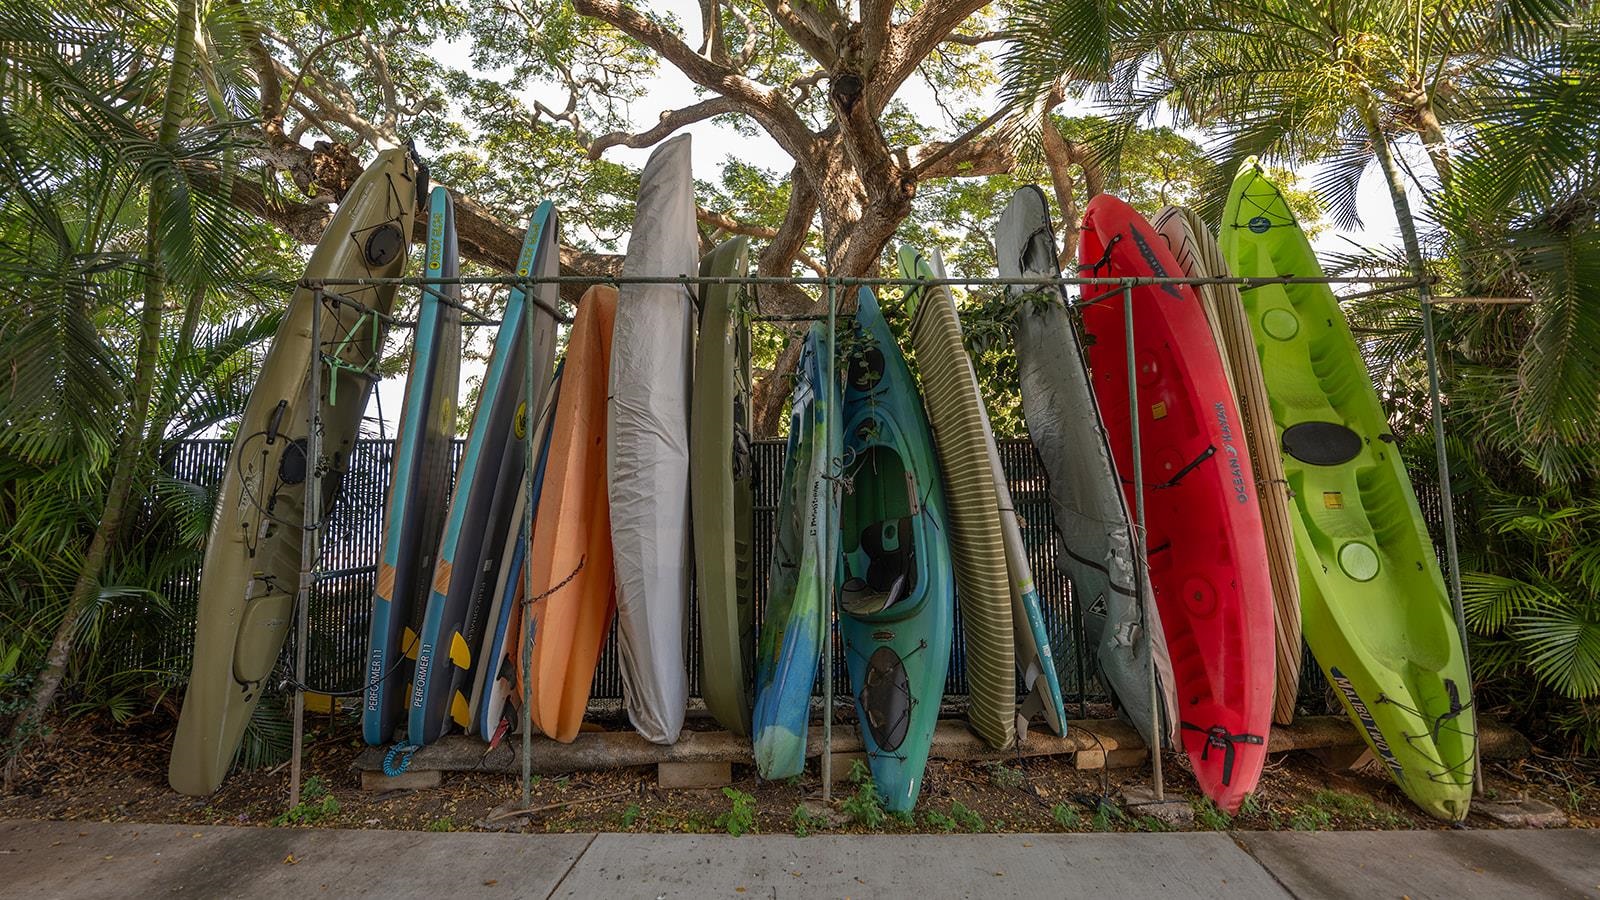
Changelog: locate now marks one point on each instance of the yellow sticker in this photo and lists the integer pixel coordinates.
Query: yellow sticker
(1159, 410)
(1333, 499)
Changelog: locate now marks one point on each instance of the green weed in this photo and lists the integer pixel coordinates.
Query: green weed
(966, 819)
(1066, 816)
(1251, 805)
(444, 824)
(805, 824)
(1210, 815)
(630, 815)
(741, 819)
(1004, 776)
(1106, 817)
(1150, 823)
(864, 807)
(315, 805)
(1311, 818)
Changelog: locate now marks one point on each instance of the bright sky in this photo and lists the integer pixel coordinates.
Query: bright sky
(713, 144)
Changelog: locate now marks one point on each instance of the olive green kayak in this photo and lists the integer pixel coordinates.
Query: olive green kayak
(1373, 604)
(720, 499)
(252, 564)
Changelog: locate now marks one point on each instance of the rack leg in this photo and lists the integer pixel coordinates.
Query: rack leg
(311, 516)
(1157, 782)
(830, 519)
(1447, 504)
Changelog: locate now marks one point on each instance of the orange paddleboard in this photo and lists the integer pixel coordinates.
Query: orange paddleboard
(573, 582)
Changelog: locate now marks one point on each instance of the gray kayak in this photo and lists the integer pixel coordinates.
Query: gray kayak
(1091, 515)
(647, 449)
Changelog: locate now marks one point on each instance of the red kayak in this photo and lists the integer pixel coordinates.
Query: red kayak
(1207, 550)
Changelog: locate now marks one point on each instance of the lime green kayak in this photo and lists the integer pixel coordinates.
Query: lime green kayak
(1373, 604)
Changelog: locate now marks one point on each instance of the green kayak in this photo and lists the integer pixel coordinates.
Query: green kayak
(252, 565)
(1374, 608)
(721, 504)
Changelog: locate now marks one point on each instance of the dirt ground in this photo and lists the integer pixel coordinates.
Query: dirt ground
(94, 770)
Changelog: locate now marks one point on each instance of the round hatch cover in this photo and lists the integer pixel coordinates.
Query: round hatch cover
(1358, 561)
(886, 699)
(1280, 324)
(384, 244)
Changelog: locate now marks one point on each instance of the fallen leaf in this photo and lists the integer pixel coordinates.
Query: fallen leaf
(491, 882)
(290, 860)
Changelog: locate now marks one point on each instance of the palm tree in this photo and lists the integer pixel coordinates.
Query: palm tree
(115, 149)
(1500, 94)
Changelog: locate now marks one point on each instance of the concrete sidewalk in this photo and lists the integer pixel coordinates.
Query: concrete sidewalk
(90, 860)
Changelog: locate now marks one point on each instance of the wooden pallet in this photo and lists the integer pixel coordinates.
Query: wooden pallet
(707, 756)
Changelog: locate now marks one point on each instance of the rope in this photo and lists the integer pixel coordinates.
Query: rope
(398, 759)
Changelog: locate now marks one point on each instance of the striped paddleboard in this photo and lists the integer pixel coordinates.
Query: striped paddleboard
(977, 542)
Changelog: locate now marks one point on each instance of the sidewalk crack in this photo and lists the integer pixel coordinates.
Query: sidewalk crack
(572, 865)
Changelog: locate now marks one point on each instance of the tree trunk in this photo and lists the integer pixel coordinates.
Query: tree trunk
(130, 446)
(1433, 139)
(1397, 188)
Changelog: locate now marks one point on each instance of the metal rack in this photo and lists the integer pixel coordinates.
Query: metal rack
(326, 290)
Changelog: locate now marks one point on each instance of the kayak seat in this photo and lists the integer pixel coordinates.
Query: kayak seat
(888, 548)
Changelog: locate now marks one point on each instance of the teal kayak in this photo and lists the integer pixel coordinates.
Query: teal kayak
(800, 576)
(896, 590)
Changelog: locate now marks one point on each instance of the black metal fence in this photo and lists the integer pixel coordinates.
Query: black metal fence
(339, 608)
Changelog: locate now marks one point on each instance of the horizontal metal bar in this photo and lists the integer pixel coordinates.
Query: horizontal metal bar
(521, 281)
(1482, 301)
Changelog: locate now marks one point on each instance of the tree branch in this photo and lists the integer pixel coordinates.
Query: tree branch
(755, 99)
(875, 30)
(810, 27)
(974, 40)
(729, 225)
(914, 39)
(926, 163)
(670, 121)
(994, 155)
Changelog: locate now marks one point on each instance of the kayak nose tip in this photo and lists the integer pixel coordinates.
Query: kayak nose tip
(1452, 810)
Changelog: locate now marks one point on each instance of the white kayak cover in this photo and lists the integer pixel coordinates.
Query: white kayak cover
(1091, 515)
(647, 451)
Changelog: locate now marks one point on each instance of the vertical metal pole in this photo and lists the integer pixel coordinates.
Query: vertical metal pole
(1156, 780)
(829, 378)
(1447, 502)
(525, 719)
(310, 517)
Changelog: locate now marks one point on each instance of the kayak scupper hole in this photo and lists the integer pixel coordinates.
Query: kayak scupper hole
(1200, 596)
(1149, 368)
